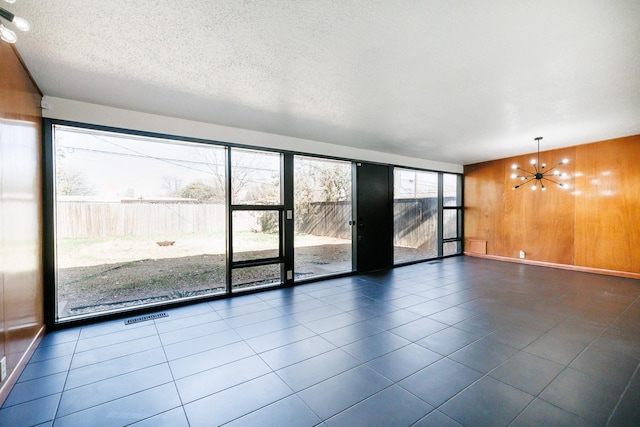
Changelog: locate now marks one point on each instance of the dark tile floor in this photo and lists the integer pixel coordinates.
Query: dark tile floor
(463, 341)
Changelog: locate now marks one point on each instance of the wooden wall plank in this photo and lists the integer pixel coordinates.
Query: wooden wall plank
(21, 275)
(540, 223)
(483, 195)
(590, 224)
(608, 205)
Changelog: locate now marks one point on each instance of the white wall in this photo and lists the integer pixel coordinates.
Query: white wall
(65, 109)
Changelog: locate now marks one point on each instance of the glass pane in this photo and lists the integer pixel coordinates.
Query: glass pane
(450, 190)
(451, 248)
(415, 212)
(450, 222)
(138, 221)
(255, 177)
(256, 235)
(244, 279)
(322, 198)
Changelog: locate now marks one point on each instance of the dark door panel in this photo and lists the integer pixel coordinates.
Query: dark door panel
(374, 220)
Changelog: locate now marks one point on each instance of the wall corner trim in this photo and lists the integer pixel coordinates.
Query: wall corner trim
(626, 274)
(15, 373)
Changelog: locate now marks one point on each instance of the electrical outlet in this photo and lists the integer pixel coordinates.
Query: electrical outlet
(3, 369)
(522, 254)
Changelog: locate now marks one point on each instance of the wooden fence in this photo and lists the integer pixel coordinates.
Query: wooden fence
(326, 219)
(89, 220)
(415, 220)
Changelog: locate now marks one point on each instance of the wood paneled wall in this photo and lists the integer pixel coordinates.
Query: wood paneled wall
(21, 290)
(593, 223)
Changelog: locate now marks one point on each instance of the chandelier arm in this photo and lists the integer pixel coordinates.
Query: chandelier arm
(549, 170)
(540, 173)
(4, 13)
(526, 171)
(555, 182)
(524, 183)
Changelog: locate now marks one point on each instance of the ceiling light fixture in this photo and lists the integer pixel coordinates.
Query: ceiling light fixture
(539, 173)
(20, 23)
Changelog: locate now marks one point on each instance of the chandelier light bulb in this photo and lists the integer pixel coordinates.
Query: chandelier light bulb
(514, 166)
(21, 24)
(7, 35)
(533, 161)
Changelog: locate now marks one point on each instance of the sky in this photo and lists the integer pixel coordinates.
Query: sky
(117, 166)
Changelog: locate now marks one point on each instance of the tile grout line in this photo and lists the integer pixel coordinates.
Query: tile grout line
(627, 388)
(175, 386)
(567, 366)
(55, 415)
(635, 372)
(375, 298)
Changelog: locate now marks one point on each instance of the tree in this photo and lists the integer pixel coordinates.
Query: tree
(172, 185)
(319, 181)
(202, 192)
(250, 179)
(335, 182)
(70, 182)
(319, 187)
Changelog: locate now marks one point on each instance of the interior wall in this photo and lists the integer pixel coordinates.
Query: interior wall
(21, 290)
(593, 223)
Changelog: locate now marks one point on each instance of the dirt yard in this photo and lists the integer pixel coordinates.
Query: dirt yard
(135, 272)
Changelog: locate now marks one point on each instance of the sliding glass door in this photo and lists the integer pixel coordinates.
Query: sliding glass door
(137, 221)
(256, 244)
(323, 214)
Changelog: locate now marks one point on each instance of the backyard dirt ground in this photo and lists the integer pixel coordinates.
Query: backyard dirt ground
(86, 288)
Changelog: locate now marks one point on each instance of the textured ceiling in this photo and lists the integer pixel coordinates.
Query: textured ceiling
(446, 80)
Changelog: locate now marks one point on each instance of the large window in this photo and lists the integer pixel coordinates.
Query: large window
(137, 221)
(322, 199)
(415, 215)
(427, 215)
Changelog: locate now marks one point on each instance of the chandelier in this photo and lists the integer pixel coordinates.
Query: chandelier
(539, 173)
(21, 24)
